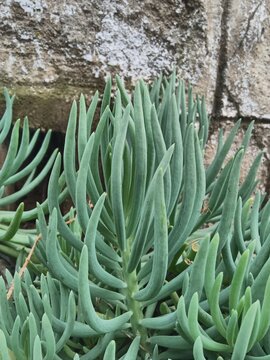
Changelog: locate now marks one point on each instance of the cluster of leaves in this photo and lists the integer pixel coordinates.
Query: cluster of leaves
(17, 168)
(140, 268)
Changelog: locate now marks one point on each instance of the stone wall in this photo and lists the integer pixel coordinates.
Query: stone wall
(50, 51)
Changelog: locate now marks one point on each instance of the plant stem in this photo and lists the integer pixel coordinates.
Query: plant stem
(132, 304)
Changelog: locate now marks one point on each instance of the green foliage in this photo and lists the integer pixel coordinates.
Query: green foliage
(17, 169)
(140, 267)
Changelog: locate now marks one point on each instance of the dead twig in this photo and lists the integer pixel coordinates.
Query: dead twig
(27, 261)
(22, 270)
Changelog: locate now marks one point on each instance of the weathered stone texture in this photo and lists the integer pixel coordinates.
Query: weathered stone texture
(52, 50)
(71, 42)
(247, 84)
(56, 49)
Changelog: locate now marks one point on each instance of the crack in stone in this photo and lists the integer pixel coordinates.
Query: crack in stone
(233, 100)
(222, 60)
(244, 119)
(250, 18)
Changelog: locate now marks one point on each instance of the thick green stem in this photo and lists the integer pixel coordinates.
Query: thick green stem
(132, 304)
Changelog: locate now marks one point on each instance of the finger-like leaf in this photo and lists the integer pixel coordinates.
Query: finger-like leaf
(93, 320)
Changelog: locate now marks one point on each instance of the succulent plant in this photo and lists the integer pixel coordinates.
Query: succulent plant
(18, 169)
(158, 256)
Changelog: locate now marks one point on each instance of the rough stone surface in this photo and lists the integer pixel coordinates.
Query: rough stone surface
(247, 80)
(52, 50)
